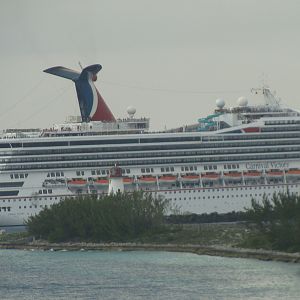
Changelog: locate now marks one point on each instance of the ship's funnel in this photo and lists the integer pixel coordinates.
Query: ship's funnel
(92, 105)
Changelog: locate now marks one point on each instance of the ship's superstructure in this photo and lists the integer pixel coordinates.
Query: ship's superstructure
(218, 164)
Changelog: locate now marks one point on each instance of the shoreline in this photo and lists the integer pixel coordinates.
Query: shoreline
(222, 251)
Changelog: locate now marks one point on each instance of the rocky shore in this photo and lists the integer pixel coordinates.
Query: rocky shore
(223, 251)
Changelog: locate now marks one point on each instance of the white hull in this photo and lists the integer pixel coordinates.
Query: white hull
(193, 200)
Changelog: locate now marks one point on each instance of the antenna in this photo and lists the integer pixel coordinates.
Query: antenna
(270, 98)
(80, 65)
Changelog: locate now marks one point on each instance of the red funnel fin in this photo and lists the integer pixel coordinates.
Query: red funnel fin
(103, 112)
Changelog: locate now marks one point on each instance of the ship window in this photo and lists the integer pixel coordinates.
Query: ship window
(44, 191)
(62, 174)
(26, 175)
(93, 172)
(57, 174)
(143, 170)
(16, 176)
(182, 168)
(50, 191)
(11, 176)
(127, 171)
(107, 172)
(205, 167)
(162, 169)
(52, 174)
(148, 170)
(77, 173)
(172, 169)
(40, 191)
(215, 168)
(186, 168)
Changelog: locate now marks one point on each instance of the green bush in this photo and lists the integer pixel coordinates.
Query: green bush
(111, 218)
(278, 219)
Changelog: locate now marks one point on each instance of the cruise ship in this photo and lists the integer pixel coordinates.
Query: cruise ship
(217, 164)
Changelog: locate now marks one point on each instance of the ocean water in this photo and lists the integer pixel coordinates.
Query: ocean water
(142, 275)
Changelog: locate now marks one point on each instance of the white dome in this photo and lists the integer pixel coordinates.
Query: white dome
(131, 111)
(242, 101)
(220, 103)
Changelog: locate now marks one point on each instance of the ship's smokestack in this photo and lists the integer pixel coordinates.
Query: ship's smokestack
(92, 105)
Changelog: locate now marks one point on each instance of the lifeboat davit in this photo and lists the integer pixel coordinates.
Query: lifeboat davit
(127, 180)
(293, 173)
(252, 175)
(274, 174)
(167, 179)
(77, 184)
(233, 176)
(147, 180)
(101, 183)
(210, 177)
(190, 178)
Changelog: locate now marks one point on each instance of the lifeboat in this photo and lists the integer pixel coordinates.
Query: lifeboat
(101, 183)
(77, 184)
(252, 175)
(210, 177)
(293, 173)
(233, 176)
(127, 180)
(147, 180)
(167, 179)
(190, 178)
(274, 174)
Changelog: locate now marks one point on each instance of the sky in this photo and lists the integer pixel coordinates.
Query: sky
(170, 59)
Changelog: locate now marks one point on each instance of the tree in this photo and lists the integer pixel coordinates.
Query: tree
(110, 218)
(278, 219)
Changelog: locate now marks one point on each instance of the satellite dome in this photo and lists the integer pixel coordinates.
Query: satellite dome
(131, 111)
(220, 103)
(242, 101)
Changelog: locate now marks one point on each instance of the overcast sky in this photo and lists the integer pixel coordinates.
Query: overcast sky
(170, 59)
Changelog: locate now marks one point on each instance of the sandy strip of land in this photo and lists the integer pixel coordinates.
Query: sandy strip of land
(197, 249)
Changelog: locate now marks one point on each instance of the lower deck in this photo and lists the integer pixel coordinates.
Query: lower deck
(190, 199)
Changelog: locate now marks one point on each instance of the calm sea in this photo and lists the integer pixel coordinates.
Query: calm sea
(142, 275)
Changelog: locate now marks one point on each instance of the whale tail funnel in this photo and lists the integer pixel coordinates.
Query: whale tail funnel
(92, 105)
